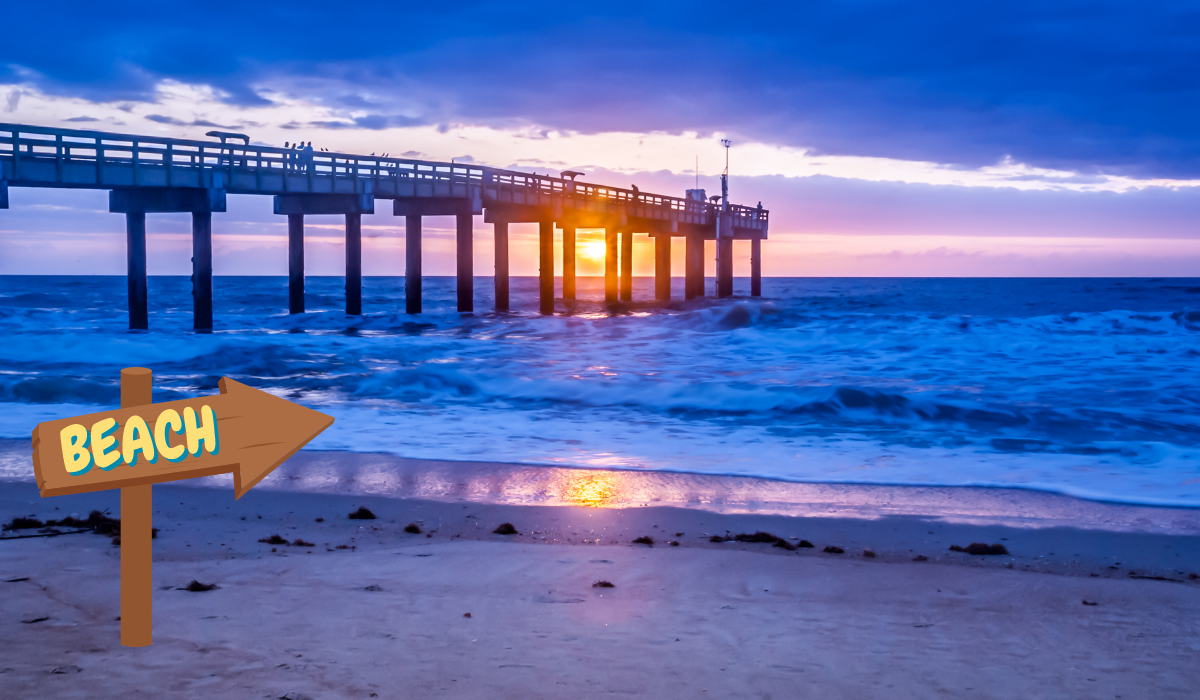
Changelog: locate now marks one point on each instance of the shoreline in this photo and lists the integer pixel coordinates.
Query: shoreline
(346, 473)
(300, 473)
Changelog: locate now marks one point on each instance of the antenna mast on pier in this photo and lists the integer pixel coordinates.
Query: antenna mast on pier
(725, 176)
(724, 204)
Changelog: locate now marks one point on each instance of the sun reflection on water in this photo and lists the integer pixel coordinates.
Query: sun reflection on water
(598, 489)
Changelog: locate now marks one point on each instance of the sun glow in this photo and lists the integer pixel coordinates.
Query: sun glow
(592, 250)
(592, 489)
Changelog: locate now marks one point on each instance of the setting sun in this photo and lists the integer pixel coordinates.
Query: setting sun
(592, 249)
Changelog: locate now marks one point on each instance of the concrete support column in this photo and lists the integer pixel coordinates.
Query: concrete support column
(693, 266)
(627, 265)
(662, 268)
(354, 264)
(756, 267)
(724, 267)
(135, 251)
(546, 267)
(466, 264)
(610, 265)
(295, 263)
(568, 256)
(202, 312)
(501, 265)
(412, 264)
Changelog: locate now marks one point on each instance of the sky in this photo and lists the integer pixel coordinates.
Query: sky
(887, 138)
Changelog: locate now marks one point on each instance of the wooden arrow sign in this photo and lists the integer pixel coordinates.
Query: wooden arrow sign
(241, 430)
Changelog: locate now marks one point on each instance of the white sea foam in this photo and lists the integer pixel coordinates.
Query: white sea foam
(1084, 387)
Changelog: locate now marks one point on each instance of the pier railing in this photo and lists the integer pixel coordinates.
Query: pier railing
(51, 157)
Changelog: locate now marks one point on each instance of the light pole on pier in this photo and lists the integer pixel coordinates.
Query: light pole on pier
(724, 233)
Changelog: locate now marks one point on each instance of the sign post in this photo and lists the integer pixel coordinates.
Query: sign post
(137, 510)
(241, 430)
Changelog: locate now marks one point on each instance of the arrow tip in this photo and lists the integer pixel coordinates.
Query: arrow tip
(280, 429)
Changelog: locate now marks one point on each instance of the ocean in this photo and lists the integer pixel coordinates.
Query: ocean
(1087, 387)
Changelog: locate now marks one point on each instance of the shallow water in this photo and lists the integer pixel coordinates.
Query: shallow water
(1085, 387)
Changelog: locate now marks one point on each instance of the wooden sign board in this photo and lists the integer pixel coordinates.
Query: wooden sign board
(241, 430)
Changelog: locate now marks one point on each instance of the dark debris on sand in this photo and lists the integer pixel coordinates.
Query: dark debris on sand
(505, 529)
(645, 539)
(363, 513)
(868, 554)
(96, 521)
(197, 587)
(805, 544)
(1151, 577)
(761, 537)
(412, 529)
(273, 539)
(981, 548)
(833, 550)
(920, 557)
(301, 543)
(604, 584)
(373, 588)
(23, 523)
(1090, 602)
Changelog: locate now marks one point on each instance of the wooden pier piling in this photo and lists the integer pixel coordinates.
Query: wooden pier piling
(610, 265)
(568, 257)
(466, 263)
(546, 267)
(354, 264)
(756, 267)
(412, 264)
(627, 265)
(662, 268)
(135, 252)
(724, 267)
(693, 281)
(202, 291)
(295, 263)
(501, 278)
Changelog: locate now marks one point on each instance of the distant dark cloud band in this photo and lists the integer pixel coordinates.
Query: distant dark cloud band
(1094, 87)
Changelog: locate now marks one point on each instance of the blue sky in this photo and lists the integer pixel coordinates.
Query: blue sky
(988, 133)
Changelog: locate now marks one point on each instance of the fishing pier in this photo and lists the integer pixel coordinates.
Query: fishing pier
(147, 175)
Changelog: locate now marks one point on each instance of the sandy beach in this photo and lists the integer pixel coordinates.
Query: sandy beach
(366, 609)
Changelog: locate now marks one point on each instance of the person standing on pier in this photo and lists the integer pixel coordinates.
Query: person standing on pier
(308, 157)
(287, 156)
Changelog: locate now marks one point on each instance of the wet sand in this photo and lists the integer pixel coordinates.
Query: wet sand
(696, 620)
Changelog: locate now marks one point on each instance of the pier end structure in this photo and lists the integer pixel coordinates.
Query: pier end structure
(179, 174)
